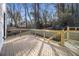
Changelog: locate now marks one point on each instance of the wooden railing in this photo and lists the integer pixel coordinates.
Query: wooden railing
(73, 28)
(43, 32)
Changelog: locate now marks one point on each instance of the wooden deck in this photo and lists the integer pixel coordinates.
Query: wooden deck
(30, 45)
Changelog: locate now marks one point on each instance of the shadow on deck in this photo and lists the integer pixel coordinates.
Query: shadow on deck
(30, 45)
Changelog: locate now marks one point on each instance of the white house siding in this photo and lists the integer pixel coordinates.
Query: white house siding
(1, 26)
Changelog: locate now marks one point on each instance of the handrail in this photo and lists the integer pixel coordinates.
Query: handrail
(75, 28)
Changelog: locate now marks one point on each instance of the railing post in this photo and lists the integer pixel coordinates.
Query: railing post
(35, 33)
(20, 33)
(44, 34)
(62, 38)
(67, 33)
(75, 28)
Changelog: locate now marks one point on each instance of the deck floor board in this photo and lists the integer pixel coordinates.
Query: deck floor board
(31, 45)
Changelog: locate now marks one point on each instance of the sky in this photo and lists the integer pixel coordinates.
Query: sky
(51, 8)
